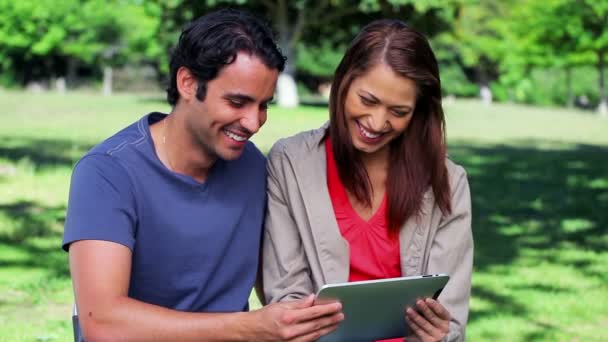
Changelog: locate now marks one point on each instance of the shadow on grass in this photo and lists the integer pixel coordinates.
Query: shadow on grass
(523, 199)
(535, 199)
(34, 232)
(42, 153)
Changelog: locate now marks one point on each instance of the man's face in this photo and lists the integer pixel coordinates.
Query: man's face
(234, 107)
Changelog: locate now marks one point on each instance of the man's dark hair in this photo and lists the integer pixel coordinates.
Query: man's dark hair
(212, 41)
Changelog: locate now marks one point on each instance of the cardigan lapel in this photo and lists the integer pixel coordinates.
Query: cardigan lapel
(413, 236)
(332, 249)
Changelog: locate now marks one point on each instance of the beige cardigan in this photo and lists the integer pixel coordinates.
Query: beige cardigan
(303, 248)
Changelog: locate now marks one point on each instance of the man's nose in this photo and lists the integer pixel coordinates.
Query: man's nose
(252, 121)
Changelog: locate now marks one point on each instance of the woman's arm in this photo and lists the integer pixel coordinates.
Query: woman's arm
(285, 268)
(452, 253)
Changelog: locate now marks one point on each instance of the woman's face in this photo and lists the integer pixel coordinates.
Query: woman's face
(379, 106)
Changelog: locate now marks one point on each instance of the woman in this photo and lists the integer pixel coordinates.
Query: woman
(373, 194)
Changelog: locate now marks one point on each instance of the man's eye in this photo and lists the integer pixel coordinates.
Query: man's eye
(236, 104)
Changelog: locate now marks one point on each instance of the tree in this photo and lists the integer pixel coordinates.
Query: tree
(314, 25)
(477, 41)
(49, 39)
(566, 33)
(589, 20)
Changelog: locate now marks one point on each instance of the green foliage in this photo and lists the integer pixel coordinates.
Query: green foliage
(90, 32)
(501, 43)
(317, 30)
(559, 34)
(549, 86)
(476, 39)
(320, 61)
(454, 81)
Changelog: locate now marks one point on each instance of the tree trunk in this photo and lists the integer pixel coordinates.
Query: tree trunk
(71, 73)
(569, 91)
(60, 85)
(287, 90)
(484, 88)
(603, 106)
(107, 80)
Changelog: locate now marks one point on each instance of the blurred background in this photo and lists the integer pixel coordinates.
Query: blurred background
(524, 85)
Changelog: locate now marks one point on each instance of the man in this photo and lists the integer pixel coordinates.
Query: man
(164, 218)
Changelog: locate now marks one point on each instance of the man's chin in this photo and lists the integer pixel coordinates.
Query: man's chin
(231, 154)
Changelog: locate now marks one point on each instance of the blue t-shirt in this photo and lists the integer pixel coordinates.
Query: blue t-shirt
(195, 245)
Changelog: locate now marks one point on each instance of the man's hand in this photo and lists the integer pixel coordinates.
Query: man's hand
(298, 320)
(433, 324)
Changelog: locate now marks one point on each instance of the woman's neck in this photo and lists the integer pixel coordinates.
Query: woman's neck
(377, 161)
(376, 165)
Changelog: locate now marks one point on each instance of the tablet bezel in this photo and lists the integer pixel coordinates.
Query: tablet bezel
(366, 310)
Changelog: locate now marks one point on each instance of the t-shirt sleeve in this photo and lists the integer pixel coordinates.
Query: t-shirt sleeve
(101, 204)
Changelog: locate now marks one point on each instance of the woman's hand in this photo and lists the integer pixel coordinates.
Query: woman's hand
(432, 323)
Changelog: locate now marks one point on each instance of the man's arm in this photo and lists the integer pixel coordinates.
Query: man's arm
(101, 272)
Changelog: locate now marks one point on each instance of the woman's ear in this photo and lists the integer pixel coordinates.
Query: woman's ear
(187, 84)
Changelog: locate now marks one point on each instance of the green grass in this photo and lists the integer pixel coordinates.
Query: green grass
(539, 181)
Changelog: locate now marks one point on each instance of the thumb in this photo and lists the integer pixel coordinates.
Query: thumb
(301, 303)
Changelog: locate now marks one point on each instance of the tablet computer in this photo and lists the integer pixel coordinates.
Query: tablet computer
(375, 309)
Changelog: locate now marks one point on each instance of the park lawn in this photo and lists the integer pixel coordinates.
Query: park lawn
(539, 183)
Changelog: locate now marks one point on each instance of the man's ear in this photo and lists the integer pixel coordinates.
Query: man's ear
(186, 84)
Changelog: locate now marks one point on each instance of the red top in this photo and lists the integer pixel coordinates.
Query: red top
(374, 253)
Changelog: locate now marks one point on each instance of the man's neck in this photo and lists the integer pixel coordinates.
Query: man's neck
(178, 150)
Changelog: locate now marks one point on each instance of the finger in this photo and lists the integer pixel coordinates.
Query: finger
(422, 322)
(300, 303)
(314, 312)
(315, 335)
(321, 301)
(309, 327)
(429, 314)
(417, 329)
(439, 309)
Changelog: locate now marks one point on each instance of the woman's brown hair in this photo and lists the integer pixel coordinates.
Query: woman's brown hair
(417, 157)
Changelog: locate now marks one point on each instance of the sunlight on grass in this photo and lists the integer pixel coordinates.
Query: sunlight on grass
(538, 184)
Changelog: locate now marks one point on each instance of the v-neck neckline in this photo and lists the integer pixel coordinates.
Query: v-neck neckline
(333, 174)
(375, 216)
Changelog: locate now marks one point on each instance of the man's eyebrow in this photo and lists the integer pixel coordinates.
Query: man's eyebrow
(245, 98)
(238, 97)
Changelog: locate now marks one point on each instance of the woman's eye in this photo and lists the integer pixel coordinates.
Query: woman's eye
(400, 113)
(366, 101)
